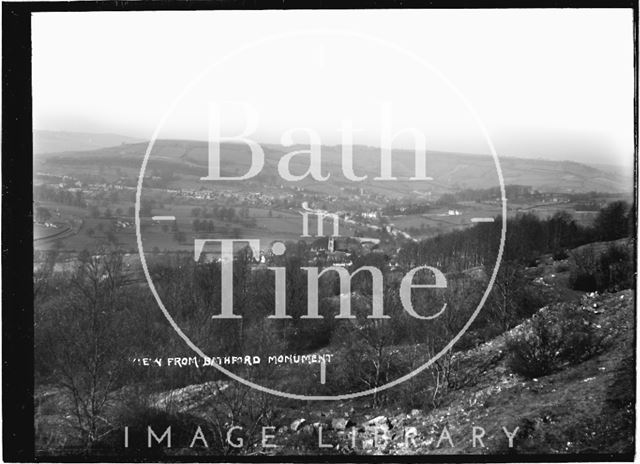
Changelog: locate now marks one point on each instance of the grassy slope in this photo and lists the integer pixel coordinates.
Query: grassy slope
(567, 412)
(584, 408)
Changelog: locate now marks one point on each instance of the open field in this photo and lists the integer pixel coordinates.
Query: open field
(91, 232)
(77, 230)
(268, 207)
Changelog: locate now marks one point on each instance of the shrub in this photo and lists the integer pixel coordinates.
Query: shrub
(583, 281)
(613, 270)
(582, 273)
(560, 254)
(616, 269)
(579, 337)
(532, 354)
(568, 335)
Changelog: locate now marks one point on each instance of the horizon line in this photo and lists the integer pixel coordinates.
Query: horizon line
(181, 139)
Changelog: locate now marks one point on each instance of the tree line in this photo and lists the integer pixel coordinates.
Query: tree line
(527, 237)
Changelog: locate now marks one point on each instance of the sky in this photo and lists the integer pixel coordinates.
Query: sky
(553, 84)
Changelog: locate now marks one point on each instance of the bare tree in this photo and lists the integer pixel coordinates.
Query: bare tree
(503, 305)
(232, 404)
(43, 273)
(85, 331)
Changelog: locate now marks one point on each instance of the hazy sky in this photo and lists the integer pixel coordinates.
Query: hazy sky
(553, 84)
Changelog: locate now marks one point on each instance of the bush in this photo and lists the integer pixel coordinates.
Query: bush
(613, 270)
(568, 336)
(532, 354)
(582, 269)
(616, 270)
(579, 337)
(560, 254)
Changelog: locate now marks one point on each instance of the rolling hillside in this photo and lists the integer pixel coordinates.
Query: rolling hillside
(54, 141)
(450, 171)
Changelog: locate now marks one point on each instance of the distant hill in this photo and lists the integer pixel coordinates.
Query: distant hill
(450, 171)
(614, 168)
(45, 141)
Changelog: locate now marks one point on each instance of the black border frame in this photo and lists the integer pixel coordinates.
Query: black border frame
(17, 210)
